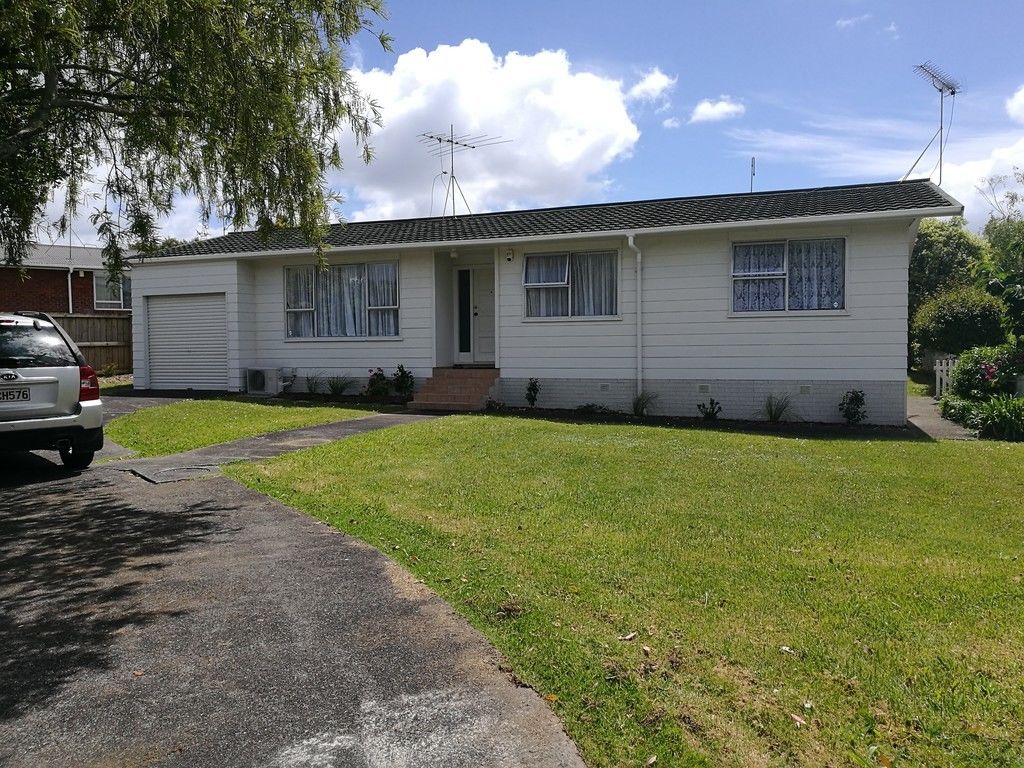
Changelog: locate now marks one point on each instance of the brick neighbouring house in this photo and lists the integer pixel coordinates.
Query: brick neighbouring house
(63, 280)
(70, 283)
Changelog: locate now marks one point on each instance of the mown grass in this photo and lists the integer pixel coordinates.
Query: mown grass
(921, 384)
(190, 424)
(711, 598)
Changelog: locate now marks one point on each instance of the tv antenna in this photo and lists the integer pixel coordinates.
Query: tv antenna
(946, 86)
(753, 172)
(445, 145)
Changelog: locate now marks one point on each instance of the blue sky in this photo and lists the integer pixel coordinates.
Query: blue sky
(615, 101)
(820, 92)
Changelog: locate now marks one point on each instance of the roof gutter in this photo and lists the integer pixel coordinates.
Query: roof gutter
(631, 244)
(490, 242)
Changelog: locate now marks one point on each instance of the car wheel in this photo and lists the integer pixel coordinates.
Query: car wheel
(73, 458)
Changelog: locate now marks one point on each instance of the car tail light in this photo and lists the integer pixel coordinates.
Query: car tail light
(89, 385)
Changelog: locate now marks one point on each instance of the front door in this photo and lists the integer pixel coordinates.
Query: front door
(474, 315)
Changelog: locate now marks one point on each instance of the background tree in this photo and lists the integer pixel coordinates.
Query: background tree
(946, 255)
(237, 103)
(1002, 272)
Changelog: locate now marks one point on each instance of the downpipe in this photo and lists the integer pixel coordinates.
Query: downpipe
(631, 244)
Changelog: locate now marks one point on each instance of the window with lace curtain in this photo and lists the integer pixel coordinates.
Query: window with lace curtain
(576, 284)
(789, 275)
(345, 300)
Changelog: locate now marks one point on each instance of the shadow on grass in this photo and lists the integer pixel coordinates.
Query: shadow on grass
(73, 556)
(795, 429)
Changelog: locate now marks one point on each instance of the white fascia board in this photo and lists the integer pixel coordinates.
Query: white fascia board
(910, 213)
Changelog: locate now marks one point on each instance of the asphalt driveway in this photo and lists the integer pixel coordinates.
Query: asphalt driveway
(198, 623)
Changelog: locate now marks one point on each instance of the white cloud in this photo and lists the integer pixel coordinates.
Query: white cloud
(852, 21)
(1015, 105)
(670, 122)
(853, 149)
(893, 30)
(724, 108)
(654, 85)
(567, 128)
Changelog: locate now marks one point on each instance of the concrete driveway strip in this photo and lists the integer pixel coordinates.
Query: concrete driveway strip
(199, 623)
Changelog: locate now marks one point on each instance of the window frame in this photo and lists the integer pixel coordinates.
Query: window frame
(106, 305)
(567, 284)
(786, 311)
(366, 302)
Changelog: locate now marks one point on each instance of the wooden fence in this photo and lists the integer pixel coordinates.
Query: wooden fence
(943, 367)
(105, 340)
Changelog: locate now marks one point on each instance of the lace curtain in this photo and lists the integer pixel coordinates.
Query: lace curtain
(816, 270)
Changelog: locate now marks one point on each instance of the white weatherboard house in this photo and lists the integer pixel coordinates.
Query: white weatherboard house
(732, 297)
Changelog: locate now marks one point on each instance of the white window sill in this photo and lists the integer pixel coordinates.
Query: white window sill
(346, 339)
(112, 309)
(791, 313)
(600, 319)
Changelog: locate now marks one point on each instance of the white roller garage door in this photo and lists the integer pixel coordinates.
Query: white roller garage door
(188, 346)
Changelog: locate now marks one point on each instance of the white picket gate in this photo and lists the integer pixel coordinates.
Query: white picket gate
(943, 367)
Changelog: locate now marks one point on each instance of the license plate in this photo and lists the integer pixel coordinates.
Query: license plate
(10, 395)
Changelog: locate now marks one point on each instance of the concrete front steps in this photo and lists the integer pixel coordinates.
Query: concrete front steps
(455, 389)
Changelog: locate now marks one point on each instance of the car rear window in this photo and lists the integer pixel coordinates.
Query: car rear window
(25, 346)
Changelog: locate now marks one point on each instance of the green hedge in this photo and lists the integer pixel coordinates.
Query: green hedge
(958, 320)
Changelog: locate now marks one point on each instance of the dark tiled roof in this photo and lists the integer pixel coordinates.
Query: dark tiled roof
(602, 217)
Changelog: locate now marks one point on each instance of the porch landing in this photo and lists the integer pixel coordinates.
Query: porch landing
(456, 389)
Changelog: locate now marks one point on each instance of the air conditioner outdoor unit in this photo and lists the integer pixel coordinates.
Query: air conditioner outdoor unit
(263, 381)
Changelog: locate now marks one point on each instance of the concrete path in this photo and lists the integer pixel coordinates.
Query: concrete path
(199, 623)
(923, 413)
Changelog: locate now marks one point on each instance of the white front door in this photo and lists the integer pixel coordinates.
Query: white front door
(474, 314)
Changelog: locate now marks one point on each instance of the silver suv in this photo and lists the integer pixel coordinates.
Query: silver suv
(49, 396)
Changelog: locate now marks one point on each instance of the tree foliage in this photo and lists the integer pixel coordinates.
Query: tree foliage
(945, 256)
(1003, 269)
(237, 103)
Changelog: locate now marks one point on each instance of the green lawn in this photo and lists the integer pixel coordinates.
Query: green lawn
(190, 424)
(690, 593)
(921, 383)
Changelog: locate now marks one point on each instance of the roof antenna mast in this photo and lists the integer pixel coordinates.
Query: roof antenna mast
(753, 172)
(446, 143)
(946, 86)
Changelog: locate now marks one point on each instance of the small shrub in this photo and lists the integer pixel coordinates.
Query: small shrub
(959, 409)
(338, 385)
(594, 408)
(959, 319)
(314, 381)
(986, 371)
(642, 402)
(775, 408)
(710, 410)
(110, 369)
(377, 386)
(532, 390)
(494, 405)
(403, 382)
(852, 406)
(1001, 418)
